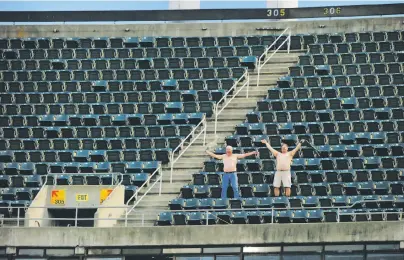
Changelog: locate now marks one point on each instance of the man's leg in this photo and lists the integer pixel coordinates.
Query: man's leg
(225, 184)
(287, 182)
(277, 183)
(234, 185)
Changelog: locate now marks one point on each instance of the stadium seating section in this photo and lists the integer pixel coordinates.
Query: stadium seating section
(345, 96)
(75, 111)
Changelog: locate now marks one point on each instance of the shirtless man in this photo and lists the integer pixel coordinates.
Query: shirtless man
(283, 162)
(230, 169)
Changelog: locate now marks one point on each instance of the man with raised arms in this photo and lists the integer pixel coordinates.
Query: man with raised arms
(230, 169)
(283, 162)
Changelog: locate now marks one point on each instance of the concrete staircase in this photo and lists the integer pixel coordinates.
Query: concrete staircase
(191, 162)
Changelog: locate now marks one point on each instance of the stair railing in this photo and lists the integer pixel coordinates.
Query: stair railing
(260, 64)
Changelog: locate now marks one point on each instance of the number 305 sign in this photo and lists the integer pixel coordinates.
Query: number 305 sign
(273, 13)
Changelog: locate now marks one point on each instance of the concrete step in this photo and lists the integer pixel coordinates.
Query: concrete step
(190, 165)
(279, 67)
(167, 188)
(176, 177)
(152, 198)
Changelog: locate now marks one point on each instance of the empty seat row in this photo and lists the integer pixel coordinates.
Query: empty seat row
(305, 176)
(112, 97)
(135, 53)
(329, 138)
(93, 155)
(348, 58)
(278, 216)
(94, 75)
(148, 166)
(115, 86)
(110, 108)
(331, 103)
(31, 183)
(96, 132)
(85, 144)
(382, 46)
(334, 92)
(344, 126)
(313, 164)
(353, 150)
(102, 64)
(349, 69)
(326, 115)
(97, 120)
(301, 189)
(130, 42)
(298, 202)
(341, 80)
(355, 37)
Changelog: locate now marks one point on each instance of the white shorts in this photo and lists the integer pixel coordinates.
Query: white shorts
(284, 178)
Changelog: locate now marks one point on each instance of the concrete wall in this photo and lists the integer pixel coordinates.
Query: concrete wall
(32, 213)
(115, 199)
(203, 235)
(202, 29)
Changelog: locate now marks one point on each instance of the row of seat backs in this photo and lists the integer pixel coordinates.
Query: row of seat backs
(116, 86)
(349, 69)
(97, 120)
(383, 46)
(136, 74)
(125, 63)
(206, 107)
(143, 42)
(112, 97)
(285, 216)
(135, 53)
(304, 176)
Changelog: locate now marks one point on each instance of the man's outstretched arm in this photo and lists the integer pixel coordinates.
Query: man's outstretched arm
(298, 146)
(273, 151)
(241, 156)
(219, 157)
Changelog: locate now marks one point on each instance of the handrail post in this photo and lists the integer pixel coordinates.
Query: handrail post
(204, 131)
(172, 167)
(18, 217)
(258, 74)
(289, 40)
(161, 181)
(272, 215)
(338, 213)
(75, 218)
(126, 217)
(248, 84)
(207, 218)
(216, 106)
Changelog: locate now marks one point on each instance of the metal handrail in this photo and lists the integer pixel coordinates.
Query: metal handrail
(202, 124)
(207, 211)
(246, 76)
(134, 196)
(259, 65)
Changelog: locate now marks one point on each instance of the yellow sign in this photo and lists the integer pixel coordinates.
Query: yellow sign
(81, 197)
(104, 193)
(58, 197)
